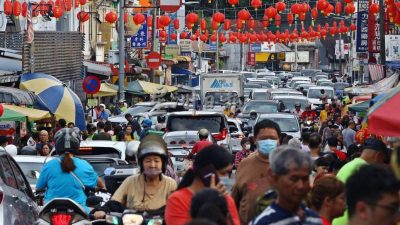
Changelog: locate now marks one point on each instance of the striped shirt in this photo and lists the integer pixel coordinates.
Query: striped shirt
(275, 215)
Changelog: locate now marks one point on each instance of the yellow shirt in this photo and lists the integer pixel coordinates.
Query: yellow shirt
(128, 138)
(323, 116)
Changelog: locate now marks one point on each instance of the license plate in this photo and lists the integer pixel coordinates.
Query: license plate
(179, 158)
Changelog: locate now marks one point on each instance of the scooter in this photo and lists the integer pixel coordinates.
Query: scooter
(63, 211)
(132, 217)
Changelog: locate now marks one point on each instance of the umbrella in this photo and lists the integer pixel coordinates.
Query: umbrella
(383, 116)
(10, 115)
(360, 106)
(57, 97)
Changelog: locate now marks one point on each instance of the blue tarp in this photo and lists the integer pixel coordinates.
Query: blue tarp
(393, 64)
(177, 70)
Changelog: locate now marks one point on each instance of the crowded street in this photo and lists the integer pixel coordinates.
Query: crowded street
(174, 112)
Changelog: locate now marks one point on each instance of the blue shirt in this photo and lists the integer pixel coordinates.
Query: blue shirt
(274, 214)
(60, 184)
(103, 116)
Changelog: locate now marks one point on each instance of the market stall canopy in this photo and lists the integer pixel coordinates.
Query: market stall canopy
(378, 87)
(107, 89)
(32, 114)
(142, 88)
(16, 96)
(360, 106)
(383, 117)
(11, 115)
(59, 99)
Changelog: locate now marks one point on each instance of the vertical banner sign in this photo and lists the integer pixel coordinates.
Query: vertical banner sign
(140, 40)
(362, 26)
(374, 35)
(171, 30)
(251, 58)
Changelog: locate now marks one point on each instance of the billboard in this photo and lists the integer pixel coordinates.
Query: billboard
(392, 43)
(362, 26)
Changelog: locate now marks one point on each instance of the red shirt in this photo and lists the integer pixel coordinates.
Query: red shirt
(177, 211)
(200, 145)
(325, 222)
(341, 155)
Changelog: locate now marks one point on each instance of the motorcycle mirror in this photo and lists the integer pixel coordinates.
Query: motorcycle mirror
(109, 171)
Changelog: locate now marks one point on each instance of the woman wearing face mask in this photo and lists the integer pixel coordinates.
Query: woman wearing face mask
(149, 190)
(210, 164)
(246, 146)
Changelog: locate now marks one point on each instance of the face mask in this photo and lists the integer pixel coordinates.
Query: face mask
(266, 146)
(152, 172)
(247, 146)
(226, 182)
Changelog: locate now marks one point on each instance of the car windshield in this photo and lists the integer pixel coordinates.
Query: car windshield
(100, 166)
(289, 103)
(260, 107)
(260, 95)
(175, 141)
(286, 93)
(286, 124)
(249, 75)
(341, 86)
(31, 171)
(220, 98)
(183, 123)
(138, 109)
(316, 93)
(252, 86)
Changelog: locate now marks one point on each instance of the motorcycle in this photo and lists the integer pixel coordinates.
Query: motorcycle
(60, 211)
(133, 217)
(309, 125)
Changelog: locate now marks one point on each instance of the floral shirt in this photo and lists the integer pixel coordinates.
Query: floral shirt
(240, 156)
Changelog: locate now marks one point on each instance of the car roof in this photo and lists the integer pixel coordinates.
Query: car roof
(182, 133)
(32, 158)
(321, 87)
(259, 90)
(299, 97)
(100, 143)
(263, 101)
(195, 113)
(277, 115)
(146, 104)
(284, 91)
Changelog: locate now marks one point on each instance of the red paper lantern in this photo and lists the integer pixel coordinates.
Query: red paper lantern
(252, 24)
(374, 8)
(213, 38)
(17, 8)
(290, 19)
(162, 34)
(35, 12)
(192, 18)
(164, 20)
(67, 5)
(233, 2)
(314, 13)
(183, 35)
(214, 25)
(82, 2)
(218, 17)
(222, 38)
(76, 4)
(203, 38)
(82, 16)
(256, 4)
(59, 3)
(271, 12)
(149, 21)
(176, 24)
(265, 22)
(193, 37)
(173, 36)
(43, 7)
(139, 19)
(350, 8)
(239, 24)
(227, 24)
(338, 8)
(232, 39)
(333, 31)
(278, 19)
(302, 17)
(8, 7)
(58, 12)
(1, 110)
(243, 38)
(111, 17)
(305, 8)
(280, 6)
(244, 15)
(322, 5)
(353, 27)
(323, 33)
(329, 10)
(24, 9)
(296, 9)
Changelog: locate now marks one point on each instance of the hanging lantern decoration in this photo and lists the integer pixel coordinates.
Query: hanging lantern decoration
(76, 4)
(111, 17)
(256, 4)
(253, 38)
(280, 6)
(213, 38)
(218, 18)
(164, 21)
(314, 15)
(244, 15)
(227, 24)
(67, 5)
(252, 23)
(214, 25)
(296, 9)
(290, 19)
(173, 36)
(139, 19)
(353, 27)
(8, 7)
(203, 38)
(350, 8)
(163, 34)
(348, 1)
(193, 37)
(58, 12)
(183, 35)
(192, 18)
(149, 21)
(222, 38)
(35, 12)
(374, 8)
(82, 2)
(233, 2)
(322, 5)
(83, 16)
(265, 22)
(17, 8)
(176, 24)
(323, 33)
(329, 10)
(43, 7)
(239, 24)
(305, 8)
(24, 9)
(278, 21)
(203, 24)
(333, 31)
(232, 38)
(302, 17)
(338, 8)
(271, 12)
(243, 38)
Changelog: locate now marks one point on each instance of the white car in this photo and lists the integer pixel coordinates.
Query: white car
(314, 94)
(112, 149)
(288, 123)
(294, 79)
(236, 134)
(31, 165)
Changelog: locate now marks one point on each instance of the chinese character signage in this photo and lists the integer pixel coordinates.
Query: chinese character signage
(255, 47)
(171, 30)
(362, 26)
(373, 34)
(140, 39)
(251, 58)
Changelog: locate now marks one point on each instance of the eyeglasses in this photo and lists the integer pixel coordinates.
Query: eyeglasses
(392, 208)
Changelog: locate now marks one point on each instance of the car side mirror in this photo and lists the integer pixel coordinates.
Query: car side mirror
(233, 129)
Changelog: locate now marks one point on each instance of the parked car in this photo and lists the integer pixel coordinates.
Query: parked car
(216, 123)
(17, 202)
(259, 106)
(290, 101)
(288, 123)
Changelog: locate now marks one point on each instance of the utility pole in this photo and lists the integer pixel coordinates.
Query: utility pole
(153, 36)
(121, 38)
(295, 48)
(340, 54)
(382, 35)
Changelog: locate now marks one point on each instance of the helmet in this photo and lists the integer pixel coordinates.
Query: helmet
(11, 149)
(152, 145)
(67, 140)
(252, 112)
(28, 150)
(132, 148)
(297, 104)
(203, 132)
(147, 123)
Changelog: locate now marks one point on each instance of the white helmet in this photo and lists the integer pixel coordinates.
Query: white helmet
(132, 148)
(11, 149)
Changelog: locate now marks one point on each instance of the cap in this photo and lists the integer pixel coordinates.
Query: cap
(297, 104)
(203, 132)
(375, 144)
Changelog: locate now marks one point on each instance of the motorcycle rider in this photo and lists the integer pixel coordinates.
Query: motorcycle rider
(67, 176)
(202, 143)
(308, 114)
(252, 120)
(297, 110)
(149, 190)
